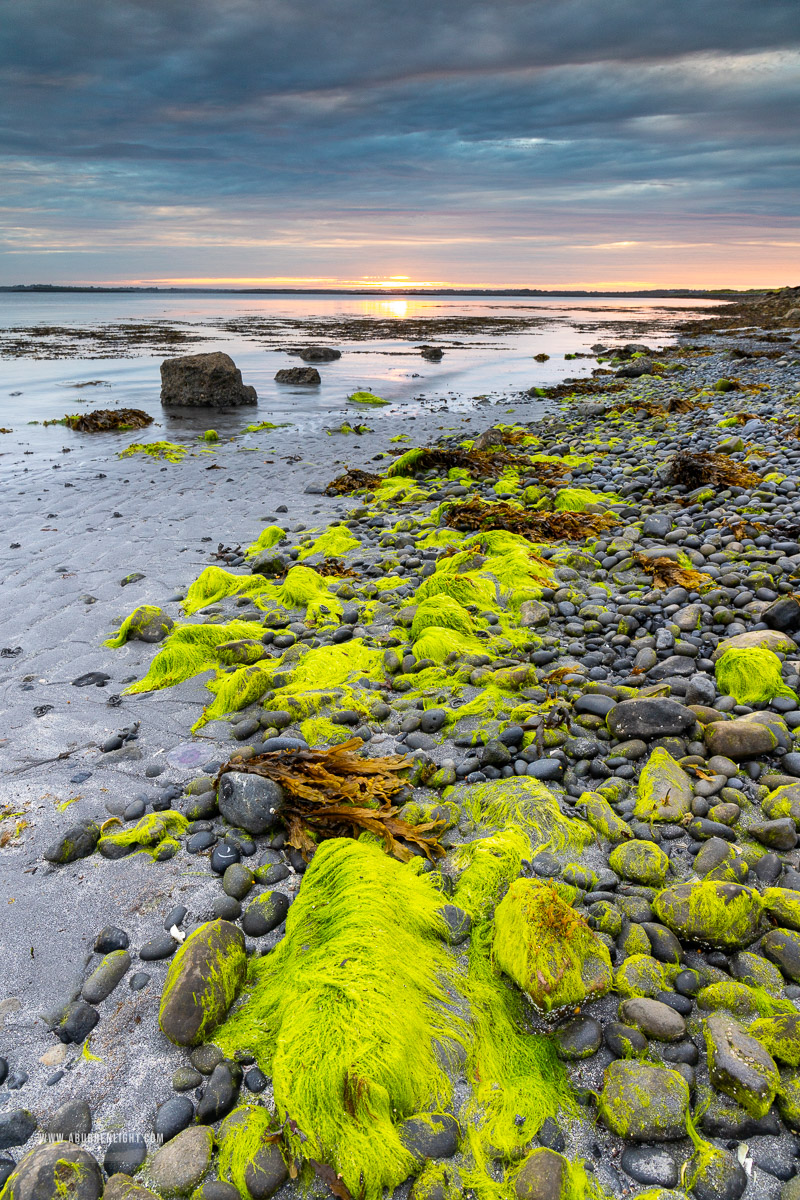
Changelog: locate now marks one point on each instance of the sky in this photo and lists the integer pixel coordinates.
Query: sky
(322, 143)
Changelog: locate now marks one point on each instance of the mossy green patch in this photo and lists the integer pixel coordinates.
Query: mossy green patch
(148, 621)
(752, 675)
(336, 541)
(148, 834)
(368, 398)
(171, 451)
(273, 535)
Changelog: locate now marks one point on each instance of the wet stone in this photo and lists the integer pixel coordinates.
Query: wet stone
(650, 1165)
(124, 1157)
(173, 1116)
(578, 1038)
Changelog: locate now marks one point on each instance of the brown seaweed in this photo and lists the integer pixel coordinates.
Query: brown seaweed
(705, 468)
(337, 792)
(475, 514)
(351, 481)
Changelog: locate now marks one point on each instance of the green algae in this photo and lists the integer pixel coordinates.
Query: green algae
(779, 1035)
(266, 540)
(151, 834)
(443, 612)
(745, 1001)
(190, 650)
(258, 426)
(205, 984)
(215, 584)
(334, 542)
(171, 451)
(353, 1044)
(579, 499)
(526, 806)
(641, 975)
(720, 914)
(752, 675)
(326, 674)
(367, 398)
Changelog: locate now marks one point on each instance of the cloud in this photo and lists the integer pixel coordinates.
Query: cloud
(509, 119)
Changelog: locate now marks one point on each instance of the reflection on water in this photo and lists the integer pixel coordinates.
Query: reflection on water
(493, 362)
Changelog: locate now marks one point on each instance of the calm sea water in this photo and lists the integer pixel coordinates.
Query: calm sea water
(490, 363)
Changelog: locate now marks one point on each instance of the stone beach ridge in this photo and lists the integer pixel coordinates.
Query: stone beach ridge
(443, 841)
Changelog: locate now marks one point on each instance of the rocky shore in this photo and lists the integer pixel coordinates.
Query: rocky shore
(437, 833)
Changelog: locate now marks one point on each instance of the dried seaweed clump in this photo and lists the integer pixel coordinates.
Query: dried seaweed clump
(351, 481)
(477, 462)
(476, 514)
(668, 573)
(339, 793)
(103, 419)
(695, 470)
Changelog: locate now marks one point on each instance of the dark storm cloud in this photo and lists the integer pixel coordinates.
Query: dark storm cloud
(252, 105)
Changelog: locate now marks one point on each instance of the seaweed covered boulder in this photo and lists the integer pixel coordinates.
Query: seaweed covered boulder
(55, 1171)
(644, 1102)
(545, 1175)
(248, 1155)
(665, 790)
(724, 915)
(547, 948)
(148, 623)
(203, 981)
(204, 380)
(640, 862)
(740, 1066)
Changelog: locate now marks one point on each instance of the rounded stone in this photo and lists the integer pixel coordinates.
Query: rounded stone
(578, 1038)
(653, 1019)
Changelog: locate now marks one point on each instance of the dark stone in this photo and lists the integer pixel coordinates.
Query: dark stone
(77, 1022)
(544, 1175)
(649, 719)
(71, 1121)
(40, 1175)
(663, 943)
(783, 615)
(106, 976)
(79, 841)
(551, 1136)
(138, 980)
(204, 380)
(624, 1041)
(304, 375)
(202, 982)
(777, 835)
(249, 802)
(580, 1037)
(782, 946)
(265, 1172)
(650, 1164)
(125, 1157)
(16, 1126)
(318, 353)
(221, 1092)
(223, 856)
(265, 913)
(596, 706)
(255, 1080)
(163, 946)
(721, 1177)
(436, 1136)
(173, 1116)
(458, 923)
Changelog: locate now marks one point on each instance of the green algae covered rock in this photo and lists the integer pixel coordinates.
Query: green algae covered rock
(641, 975)
(724, 915)
(640, 862)
(601, 816)
(665, 790)
(745, 1002)
(782, 947)
(148, 623)
(780, 1036)
(248, 1155)
(644, 1102)
(547, 948)
(788, 1099)
(55, 1171)
(783, 905)
(544, 1175)
(740, 1066)
(783, 802)
(203, 981)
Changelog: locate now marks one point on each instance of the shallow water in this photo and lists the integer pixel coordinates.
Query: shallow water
(489, 363)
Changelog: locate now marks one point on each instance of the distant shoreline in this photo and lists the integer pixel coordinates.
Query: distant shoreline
(654, 294)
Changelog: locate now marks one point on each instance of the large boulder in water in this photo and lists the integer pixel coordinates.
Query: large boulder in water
(204, 381)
